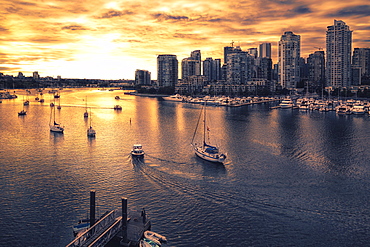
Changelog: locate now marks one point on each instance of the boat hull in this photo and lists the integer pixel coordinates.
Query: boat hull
(56, 129)
(218, 158)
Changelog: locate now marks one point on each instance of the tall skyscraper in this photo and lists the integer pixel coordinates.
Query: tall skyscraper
(361, 63)
(289, 53)
(212, 69)
(316, 69)
(189, 67)
(338, 55)
(238, 68)
(265, 50)
(196, 55)
(167, 68)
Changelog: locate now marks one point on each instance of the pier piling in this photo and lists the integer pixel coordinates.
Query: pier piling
(92, 207)
(124, 220)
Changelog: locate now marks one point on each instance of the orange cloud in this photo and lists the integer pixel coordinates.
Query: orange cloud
(64, 37)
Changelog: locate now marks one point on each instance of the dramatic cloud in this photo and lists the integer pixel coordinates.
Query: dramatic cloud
(114, 38)
(361, 11)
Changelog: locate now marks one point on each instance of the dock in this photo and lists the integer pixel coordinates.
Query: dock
(113, 229)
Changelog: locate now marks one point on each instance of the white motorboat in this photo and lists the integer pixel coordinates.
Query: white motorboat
(137, 150)
(176, 97)
(204, 150)
(286, 103)
(342, 109)
(358, 109)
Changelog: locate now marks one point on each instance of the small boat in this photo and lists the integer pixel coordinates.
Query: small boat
(117, 97)
(86, 114)
(137, 150)
(117, 107)
(90, 131)
(205, 150)
(148, 243)
(54, 126)
(27, 102)
(22, 113)
(81, 227)
(155, 237)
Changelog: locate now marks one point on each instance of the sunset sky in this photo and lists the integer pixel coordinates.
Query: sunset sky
(102, 39)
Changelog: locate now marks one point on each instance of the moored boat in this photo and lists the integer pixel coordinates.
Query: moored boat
(286, 103)
(117, 107)
(155, 237)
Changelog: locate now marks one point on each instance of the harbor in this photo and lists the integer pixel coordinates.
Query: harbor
(291, 177)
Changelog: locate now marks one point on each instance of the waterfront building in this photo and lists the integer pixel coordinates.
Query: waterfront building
(142, 77)
(289, 54)
(264, 68)
(189, 67)
(212, 69)
(361, 65)
(36, 75)
(167, 68)
(238, 67)
(265, 50)
(338, 55)
(316, 69)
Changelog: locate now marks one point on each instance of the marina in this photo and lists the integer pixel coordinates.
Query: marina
(292, 177)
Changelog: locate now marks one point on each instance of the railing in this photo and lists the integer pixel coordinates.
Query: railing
(96, 230)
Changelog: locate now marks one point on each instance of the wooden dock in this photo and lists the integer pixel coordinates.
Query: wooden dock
(113, 229)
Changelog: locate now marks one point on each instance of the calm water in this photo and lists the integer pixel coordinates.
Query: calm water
(291, 178)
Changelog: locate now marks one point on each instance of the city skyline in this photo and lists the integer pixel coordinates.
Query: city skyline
(112, 39)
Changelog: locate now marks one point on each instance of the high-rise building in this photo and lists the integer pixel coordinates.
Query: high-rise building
(265, 50)
(316, 69)
(361, 63)
(142, 77)
(237, 69)
(212, 69)
(189, 67)
(227, 51)
(196, 55)
(289, 53)
(264, 68)
(167, 68)
(338, 55)
(253, 52)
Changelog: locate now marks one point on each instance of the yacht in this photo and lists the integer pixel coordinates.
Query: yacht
(286, 103)
(137, 150)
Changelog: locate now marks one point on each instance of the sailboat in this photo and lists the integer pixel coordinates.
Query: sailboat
(205, 150)
(86, 114)
(54, 126)
(23, 111)
(90, 131)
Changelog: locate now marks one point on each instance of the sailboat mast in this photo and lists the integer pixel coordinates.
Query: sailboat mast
(204, 124)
